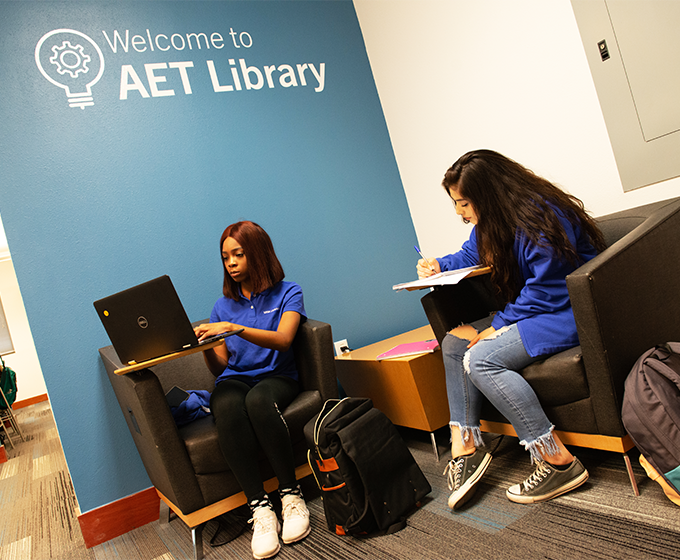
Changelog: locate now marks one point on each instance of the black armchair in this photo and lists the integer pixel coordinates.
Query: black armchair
(625, 301)
(185, 464)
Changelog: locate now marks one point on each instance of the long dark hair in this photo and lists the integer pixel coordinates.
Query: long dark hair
(508, 198)
(264, 268)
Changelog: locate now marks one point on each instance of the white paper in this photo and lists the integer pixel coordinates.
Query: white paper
(447, 278)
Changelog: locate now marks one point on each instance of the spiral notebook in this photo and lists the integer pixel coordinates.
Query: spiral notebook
(410, 349)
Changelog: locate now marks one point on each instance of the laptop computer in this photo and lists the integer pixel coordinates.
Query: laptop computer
(148, 321)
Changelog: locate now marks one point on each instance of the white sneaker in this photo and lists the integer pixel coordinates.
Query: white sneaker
(265, 533)
(295, 518)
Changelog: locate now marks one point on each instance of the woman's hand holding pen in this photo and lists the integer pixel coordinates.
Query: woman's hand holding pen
(427, 267)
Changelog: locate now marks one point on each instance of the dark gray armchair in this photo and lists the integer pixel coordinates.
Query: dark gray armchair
(625, 300)
(185, 464)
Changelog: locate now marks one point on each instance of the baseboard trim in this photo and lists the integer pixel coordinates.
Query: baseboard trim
(117, 518)
(28, 402)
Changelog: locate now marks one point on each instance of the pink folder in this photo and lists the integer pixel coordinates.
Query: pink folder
(410, 349)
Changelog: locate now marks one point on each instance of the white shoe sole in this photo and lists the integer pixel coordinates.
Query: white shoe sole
(516, 497)
(297, 539)
(270, 555)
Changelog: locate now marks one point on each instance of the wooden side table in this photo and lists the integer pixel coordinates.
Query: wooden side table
(411, 390)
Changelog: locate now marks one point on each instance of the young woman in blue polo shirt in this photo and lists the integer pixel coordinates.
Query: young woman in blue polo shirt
(533, 235)
(257, 379)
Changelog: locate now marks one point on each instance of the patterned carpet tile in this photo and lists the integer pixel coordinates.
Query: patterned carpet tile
(39, 520)
(560, 531)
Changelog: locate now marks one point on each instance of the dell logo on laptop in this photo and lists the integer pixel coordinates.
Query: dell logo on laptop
(142, 322)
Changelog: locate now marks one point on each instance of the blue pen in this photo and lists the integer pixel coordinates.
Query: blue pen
(423, 257)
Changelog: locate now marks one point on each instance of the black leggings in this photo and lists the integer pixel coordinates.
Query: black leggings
(249, 418)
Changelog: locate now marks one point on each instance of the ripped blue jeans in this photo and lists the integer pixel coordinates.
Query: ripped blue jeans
(490, 370)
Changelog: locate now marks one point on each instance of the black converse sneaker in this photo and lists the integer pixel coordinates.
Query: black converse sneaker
(547, 482)
(463, 473)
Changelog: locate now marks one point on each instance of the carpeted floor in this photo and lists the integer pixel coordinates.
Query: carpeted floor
(601, 520)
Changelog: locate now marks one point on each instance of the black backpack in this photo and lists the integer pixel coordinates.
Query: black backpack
(368, 477)
(651, 411)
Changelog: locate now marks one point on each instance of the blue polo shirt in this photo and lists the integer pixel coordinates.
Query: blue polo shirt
(542, 310)
(247, 361)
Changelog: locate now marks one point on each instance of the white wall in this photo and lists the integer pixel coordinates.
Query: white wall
(457, 75)
(24, 361)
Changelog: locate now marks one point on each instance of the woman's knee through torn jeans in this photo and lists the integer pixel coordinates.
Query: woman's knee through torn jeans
(489, 370)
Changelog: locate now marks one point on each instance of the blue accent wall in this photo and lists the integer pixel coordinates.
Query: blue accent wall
(142, 183)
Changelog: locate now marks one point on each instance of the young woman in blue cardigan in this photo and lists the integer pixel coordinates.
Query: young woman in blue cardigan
(533, 235)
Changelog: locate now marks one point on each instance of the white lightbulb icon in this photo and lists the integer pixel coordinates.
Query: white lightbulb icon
(71, 64)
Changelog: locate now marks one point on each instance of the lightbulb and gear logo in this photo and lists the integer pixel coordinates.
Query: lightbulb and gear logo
(72, 61)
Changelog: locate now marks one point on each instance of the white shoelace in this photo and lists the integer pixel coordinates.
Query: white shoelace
(454, 473)
(263, 524)
(294, 508)
(541, 472)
